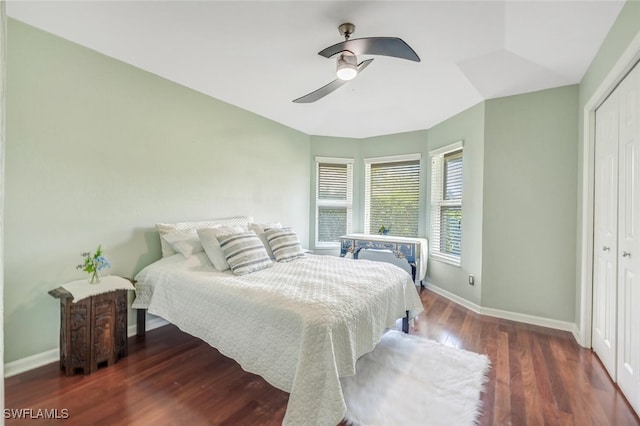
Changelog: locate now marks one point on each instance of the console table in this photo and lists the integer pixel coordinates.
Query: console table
(415, 250)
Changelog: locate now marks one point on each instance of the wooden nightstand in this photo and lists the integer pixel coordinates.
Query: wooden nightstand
(93, 331)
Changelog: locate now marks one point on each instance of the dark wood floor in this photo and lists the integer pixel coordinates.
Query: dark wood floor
(538, 377)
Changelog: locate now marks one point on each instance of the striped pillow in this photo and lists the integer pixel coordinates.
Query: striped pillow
(208, 238)
(284, 243)
(244, 252)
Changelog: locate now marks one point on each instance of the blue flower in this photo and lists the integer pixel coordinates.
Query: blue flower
(95, 262)
(102, 263)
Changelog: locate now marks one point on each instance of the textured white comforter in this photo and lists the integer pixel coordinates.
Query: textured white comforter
(300, 325)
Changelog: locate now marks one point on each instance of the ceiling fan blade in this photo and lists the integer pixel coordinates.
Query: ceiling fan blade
(362, 65)
(321, 92)
(385, 46)
(328, 88)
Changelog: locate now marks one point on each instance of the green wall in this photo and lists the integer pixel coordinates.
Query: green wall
(98, 151)
(467, 126)
(519, 201)
(530, 181)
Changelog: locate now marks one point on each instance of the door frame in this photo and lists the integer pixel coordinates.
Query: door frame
(3, 70)
(623, 65)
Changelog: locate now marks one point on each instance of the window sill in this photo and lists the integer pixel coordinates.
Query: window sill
(325, 245)
(451, 260)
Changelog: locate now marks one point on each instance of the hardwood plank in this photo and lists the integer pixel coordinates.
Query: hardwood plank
(518, 406)
(538, 376)
(531, 394)
(488, 345)
(502, 401)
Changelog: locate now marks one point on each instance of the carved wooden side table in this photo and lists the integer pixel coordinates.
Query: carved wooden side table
(93, 331)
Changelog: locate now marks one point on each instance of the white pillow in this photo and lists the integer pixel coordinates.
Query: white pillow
(284, 244)
(165, 228)
(208, 238)
(184, 242)
(244, 252)
(259, 229)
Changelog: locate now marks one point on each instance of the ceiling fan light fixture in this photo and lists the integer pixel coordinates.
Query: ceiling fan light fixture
(347, 67)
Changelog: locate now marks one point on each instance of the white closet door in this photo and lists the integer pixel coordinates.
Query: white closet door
(606, 234)
(628, 368)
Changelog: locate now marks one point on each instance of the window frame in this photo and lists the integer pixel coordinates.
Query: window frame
(367, 183)
(439, 201)
(348, 203)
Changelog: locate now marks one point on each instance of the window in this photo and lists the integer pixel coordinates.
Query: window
(334, 200)
(392, 194)
(446, 203)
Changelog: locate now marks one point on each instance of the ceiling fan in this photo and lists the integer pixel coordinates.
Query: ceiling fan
(347, 66)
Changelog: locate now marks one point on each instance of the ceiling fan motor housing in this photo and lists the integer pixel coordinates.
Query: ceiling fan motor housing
(347, 29)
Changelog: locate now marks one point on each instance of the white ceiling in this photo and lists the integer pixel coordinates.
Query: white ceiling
(261, 55)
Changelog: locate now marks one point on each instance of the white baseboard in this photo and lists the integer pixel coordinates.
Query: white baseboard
(513, 316)
(53, 355)
(151, 324)
(577, 334)
(29, 363)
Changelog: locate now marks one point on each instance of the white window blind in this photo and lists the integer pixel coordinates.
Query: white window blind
(392, 194)
(446, 203)
(334, 200)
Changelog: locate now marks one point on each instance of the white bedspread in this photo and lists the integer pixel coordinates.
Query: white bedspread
(300, 325)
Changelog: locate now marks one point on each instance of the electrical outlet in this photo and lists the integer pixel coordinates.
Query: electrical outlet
(471, 279)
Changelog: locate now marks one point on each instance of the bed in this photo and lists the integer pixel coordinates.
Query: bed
(301, 325)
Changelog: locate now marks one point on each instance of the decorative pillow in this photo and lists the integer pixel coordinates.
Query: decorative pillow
(244, 252)
(208, 238)
(184, 242)
(166, 228)
(259, 229)
(284, 243)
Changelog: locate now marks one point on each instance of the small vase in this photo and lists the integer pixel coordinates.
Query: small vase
(94, 278)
